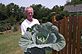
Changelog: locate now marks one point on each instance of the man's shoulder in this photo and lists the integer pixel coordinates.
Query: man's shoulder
(35, 20)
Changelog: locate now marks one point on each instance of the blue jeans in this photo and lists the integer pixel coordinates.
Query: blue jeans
(35, 50)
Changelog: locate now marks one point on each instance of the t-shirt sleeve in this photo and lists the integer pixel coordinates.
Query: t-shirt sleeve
(37, 22)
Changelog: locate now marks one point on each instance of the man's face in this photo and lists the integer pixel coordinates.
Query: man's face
(29, 13)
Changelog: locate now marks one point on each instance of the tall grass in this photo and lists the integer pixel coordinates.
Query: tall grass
(9, 43)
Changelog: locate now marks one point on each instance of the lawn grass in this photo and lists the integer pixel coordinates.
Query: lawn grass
(9, 43)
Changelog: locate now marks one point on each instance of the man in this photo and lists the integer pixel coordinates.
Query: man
(25, 42)
(29, 21)
(37, 38)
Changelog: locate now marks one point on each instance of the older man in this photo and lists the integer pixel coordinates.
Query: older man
(29, 21)
(26, 43)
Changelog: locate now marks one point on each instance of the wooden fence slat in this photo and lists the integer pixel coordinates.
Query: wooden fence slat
(70, 35)
(66, 34)
(78, 35)
(62, 31)
(74, 34)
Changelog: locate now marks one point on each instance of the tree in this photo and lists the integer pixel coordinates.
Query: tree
(40, 12)
(3, 15)
(15, 12)
(57, 9)
(9, 15)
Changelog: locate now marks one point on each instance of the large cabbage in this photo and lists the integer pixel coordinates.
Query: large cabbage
(44, 35)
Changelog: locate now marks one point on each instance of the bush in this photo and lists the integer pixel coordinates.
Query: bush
(2, 28)
(14, 28)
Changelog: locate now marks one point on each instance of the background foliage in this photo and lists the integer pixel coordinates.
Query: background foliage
(12, 14)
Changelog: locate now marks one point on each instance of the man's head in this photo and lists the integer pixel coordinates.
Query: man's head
(29, 13)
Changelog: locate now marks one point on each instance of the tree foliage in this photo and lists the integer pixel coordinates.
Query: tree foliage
(12, 14)
(40, 11)
(9, 15)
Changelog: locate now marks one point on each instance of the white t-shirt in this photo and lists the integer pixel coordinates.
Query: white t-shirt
(25, 24)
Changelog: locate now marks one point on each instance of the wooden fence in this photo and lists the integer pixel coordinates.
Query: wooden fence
(71, 28)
